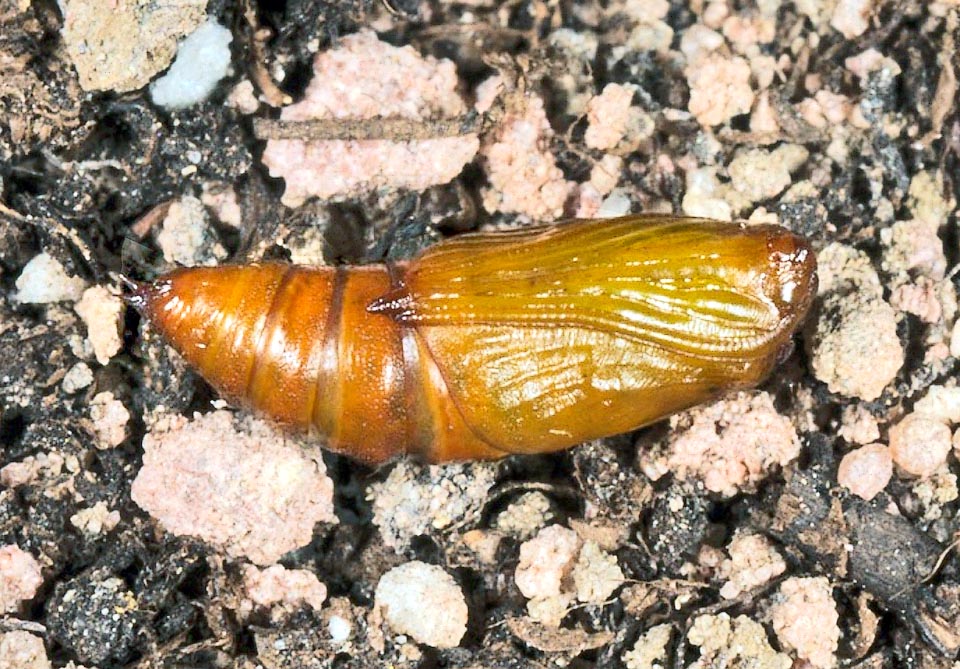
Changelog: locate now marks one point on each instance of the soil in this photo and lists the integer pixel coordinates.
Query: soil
(86, 176)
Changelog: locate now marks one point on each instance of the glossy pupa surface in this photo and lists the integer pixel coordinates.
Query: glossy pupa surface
(487, 344)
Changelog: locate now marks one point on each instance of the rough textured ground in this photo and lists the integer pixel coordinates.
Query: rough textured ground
(810, 523)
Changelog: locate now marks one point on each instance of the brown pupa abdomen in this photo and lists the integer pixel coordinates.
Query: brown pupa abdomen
(489, 344)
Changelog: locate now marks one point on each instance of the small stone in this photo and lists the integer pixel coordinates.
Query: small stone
(698, 42)
(719, 88)
(483, 544)
(244, 98)
(730, 445)
(77, 378)
(936, 491)
(20, 577)
(550, 611)
(650, 650)
(523, 174)
(866, 471)
(918, 298)
(363, 77)
(545, 561)
(102, 313)
(187, 237)
(919, 444)
(339, 629)
(859, 426)
(424, 601)
(235, 482)
(753, 562)
(21, 650)
(805, 620)
(738, 642)
(926, 199)
(760, 175)
(596, 575)
(704, 196)
(221, 199)
(418, 499)
(31, 468)
(608, 116)
(203, 59)
(525, 516)
(914, 247)
(44, 280)
(865, 63)
(764, 119)
(856, 350)
(110, 418)
(277, 585)
(851, 17)
(95, 520)
(941, 402)
(120, 46)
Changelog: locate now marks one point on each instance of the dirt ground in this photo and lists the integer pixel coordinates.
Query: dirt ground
(809, 523)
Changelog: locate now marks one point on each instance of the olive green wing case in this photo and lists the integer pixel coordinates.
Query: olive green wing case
(545, 334)
(532, 390)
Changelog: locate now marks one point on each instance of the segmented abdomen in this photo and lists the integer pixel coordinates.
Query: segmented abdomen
(298, 344)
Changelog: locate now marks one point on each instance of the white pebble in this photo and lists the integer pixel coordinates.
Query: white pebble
(202, 61)
(339, 629)
(919, 444)
(77, 378)
(424, 601)
(615, 204)
(44, 280)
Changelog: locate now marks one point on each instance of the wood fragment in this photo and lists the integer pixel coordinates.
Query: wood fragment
(945, 97)
(391, 128)
(271, 93)
(143, 225)
(868, 624)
